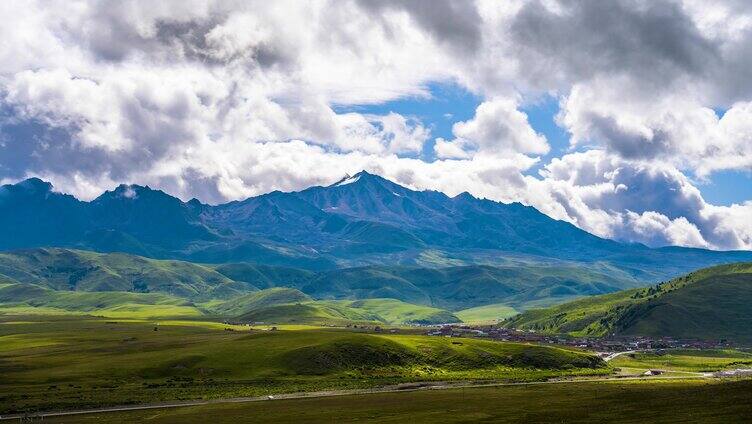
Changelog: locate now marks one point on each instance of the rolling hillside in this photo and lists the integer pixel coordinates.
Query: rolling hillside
(291, 306)
(711, 303)
(460, 287)
(82, 271)
(74, 281)
(450, 288)
(257, 300)
(117, 284)
(29, 298)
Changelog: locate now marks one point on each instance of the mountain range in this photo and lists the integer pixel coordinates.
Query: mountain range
(361, 237)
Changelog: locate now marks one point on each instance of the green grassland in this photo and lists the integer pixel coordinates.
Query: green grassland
(487, 313)
(64, 361)
(393, 311)
(686, 360)
(343, 312)
(257, 300)
(711, 303)
(284, 305)
(83, 271)
(311, 313)
(612, 402)
(31, 298)
(274, 305)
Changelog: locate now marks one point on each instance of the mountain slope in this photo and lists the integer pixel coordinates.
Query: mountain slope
(31, 215)
(459, 222)
(450, 287)
(151, 216)
(459, 287)
(361, 220)
(258, 300)
(372, 311)
(711, 303)
(393, 311)
(82, 271)
(27, 298)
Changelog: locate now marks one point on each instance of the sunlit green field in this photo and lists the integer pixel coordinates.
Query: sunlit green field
(487, 313)
(686, 360)
(622, 402)
(71, 362)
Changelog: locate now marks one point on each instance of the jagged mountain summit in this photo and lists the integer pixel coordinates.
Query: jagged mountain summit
(362, 219)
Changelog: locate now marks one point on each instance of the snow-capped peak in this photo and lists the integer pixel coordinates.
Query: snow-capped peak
(347, 180)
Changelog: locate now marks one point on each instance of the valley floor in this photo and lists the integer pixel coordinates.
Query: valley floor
(78, 363)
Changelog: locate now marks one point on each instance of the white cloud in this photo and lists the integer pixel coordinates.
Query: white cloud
(497, 128)
(390, 133)
(223, 100)
(656, 229)
(671, 129)
(639, 201)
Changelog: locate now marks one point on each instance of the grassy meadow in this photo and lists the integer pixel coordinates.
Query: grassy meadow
(487, 313)
(69, 362)
(612, 402)
(686, 360)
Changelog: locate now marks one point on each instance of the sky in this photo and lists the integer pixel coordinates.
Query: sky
(631, 119)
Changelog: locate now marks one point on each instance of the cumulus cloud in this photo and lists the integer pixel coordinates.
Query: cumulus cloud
(640, 201)
(498, 127)
(643, 78)
(674, 128)
(569, 40)
(224, 100)
(390, 133)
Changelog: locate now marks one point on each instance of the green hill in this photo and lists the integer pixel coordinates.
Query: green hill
(258, 300)
(265, 276)
(279, 306)
(461, 287)
(358, 351)
(393, 311)
(21, 297)
(385, 294)
(82, 271)
(68, 363)
(711, 303)
(313, 313)
(275, 305)
(486, 313)
(518, 285)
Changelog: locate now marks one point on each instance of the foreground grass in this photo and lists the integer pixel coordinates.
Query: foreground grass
(72, 362)
(654, 402)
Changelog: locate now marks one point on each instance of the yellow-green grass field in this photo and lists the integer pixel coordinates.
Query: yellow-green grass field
(607, 402)
(487, 313)
(71, 362)
(686, 360)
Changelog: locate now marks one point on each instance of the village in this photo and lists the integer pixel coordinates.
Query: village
(604, 345)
